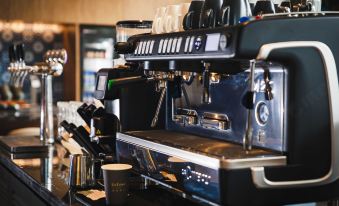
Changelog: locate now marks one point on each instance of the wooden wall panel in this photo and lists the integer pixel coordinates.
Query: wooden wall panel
(81, 11)
(71, 74)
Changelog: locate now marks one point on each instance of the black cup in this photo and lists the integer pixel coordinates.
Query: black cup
(192, 18)
(286, 3)
(211, 13)
(284, 7)
(252, 5)
(264, 7)
(116, 181)
(233, 10)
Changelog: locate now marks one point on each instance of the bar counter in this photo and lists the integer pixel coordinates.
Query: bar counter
(42, 180)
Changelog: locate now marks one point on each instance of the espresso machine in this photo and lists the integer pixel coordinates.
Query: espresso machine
(250, 109)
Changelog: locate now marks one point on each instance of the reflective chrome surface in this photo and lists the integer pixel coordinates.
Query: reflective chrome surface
(188, 163)
(228, 98)
(81, 171)
(53, 66)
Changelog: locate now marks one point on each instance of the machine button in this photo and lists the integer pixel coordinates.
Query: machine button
(161, 43)
(169, 45)
(151, 48)
(187, 44)
(174, 45)
(164, 47)
(198, 43)
(140, 47)
(147, 47)
(143, 48)
(136, 49)
(191, 44)
(177, 50)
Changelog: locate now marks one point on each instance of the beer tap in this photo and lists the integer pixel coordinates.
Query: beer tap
(51, 67)
(23, 71)
(18, 70)
(13, 65)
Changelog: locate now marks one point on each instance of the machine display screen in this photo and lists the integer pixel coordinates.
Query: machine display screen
(212, 42)
(101, 85)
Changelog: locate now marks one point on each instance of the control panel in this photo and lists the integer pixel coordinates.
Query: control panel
(201, 44)
(200, 177)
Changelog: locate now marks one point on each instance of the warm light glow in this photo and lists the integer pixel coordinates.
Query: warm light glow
(56, 28)
(38, 27)
(18, 26)
(7, 26)
(1, 25)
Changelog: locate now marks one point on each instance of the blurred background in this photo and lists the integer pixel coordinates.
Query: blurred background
(85, 28)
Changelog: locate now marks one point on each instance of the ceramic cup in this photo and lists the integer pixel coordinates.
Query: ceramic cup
(157, 27)
(172, 18)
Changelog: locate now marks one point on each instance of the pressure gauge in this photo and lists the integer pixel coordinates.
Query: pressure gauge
(223, 42)
(262, 113)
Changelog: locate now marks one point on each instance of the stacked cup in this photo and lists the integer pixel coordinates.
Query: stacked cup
(169, 19)
(157, 27)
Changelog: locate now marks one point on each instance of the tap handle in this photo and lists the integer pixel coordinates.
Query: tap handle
(62, 56)
(20, 52)
(12, 53)
(56, 56)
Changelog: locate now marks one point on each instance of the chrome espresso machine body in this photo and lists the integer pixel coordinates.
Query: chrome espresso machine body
(251, 110)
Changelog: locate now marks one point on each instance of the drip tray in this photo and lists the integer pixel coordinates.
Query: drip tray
(22, 144)
(191, 147)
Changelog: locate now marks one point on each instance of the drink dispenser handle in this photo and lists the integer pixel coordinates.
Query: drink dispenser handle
(330, 70)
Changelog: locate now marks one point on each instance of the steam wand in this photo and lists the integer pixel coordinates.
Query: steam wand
(163, 85)
(247, 139)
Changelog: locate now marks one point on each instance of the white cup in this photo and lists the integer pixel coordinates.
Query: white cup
(172, 18)
(157, 27)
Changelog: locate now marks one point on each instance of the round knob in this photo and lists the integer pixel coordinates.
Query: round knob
(263, 113)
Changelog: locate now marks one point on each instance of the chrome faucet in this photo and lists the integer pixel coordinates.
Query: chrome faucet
(52, 66)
